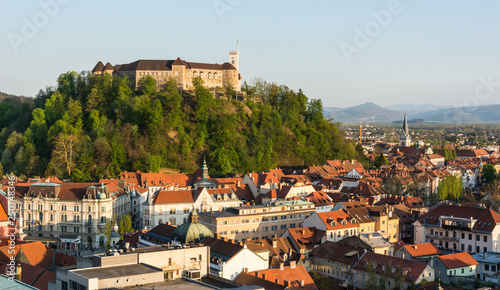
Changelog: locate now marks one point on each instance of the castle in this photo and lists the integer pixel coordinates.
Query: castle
(183, 72)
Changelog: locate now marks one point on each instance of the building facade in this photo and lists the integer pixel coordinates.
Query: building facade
(76, 213)
(182, 72)
(460, 228)
(259, 221)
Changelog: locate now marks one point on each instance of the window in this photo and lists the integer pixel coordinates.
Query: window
(51, 228)
(51, 217)
(469, 248)
(103, 220)
(470, 237)
(103, 209)
(485, 249)
(432, 231)
(274, 228)
(283, 217)
(292, 226)
(493, 268)
(463, 270)
(463, 235)
(485, 238)
(486, 267)
(477, 249)
(172, 211)
(478, 238)
(283, 227)
(462, 247)
(274, 218)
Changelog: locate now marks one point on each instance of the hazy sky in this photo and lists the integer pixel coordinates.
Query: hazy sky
(343, 52)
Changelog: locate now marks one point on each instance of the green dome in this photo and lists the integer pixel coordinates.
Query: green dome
(101, 195)
(192, 231)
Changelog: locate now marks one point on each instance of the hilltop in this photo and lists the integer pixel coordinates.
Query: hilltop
(96, 126)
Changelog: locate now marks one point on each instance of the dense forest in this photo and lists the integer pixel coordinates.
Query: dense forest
(90, 127)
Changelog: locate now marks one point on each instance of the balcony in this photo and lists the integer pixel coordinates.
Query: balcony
(455, 228)
(436, 236)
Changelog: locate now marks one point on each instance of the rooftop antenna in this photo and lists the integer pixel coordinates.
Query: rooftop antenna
(238, 43)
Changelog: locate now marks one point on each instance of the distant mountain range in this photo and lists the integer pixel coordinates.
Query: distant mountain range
(372, 113)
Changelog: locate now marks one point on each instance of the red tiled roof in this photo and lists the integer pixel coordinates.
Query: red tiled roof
(413, 268)
(421, 250)
(293, 275)
(306, 238)
(487, 219)
(37, 253)
(173, 196)
(338, 252)
(337, 216)
(458, 260)
(37, 277)
(249, 280)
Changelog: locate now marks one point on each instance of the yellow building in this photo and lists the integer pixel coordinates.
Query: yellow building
(258, 221)
(377, 219)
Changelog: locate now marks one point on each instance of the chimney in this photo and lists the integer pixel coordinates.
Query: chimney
(302, 283)
(282, 266)
(238, 183)
(246, 270)
(256, 274)
(225, 239)
(277, 281)
(18, 272)
(286, 283)
(217, 236)
(264, 276)
(275, 243)
(293, 264)
(231, 241)
(241, 244)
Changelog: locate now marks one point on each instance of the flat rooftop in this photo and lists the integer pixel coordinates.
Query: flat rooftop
(117, 271)
(172, 285)
(159, 248)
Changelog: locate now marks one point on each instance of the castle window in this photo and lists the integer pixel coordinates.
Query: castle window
(209, 75)
(215, 76)
(195, 74)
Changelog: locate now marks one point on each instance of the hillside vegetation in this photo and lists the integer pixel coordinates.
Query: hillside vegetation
(91, 127)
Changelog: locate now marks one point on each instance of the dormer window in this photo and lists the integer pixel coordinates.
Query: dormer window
(333, 223)
(344, 222)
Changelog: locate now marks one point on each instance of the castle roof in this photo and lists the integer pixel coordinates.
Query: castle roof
(98, 67)
(178, 61)
(108, 66)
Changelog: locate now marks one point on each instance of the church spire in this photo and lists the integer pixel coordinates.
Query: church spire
(204, 169)
(405, 126)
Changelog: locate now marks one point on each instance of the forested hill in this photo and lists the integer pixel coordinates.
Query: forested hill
(91, 127)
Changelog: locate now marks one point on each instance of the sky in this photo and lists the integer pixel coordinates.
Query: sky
(343, 52)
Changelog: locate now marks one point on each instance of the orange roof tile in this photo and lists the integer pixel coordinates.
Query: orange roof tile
(458, 260)
(173, 196)
(337, 217)
(293, 275)
(421, 250)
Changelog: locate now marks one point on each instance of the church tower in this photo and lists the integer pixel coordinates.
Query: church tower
(405, 139)
(204, 169)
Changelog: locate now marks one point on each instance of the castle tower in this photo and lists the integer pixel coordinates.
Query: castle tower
(405, 138)
(234, 59)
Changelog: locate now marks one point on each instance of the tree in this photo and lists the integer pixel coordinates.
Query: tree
(65, 151)
(489, 174)
(147, 85)
(380, 160)
(126, 224)
(450, 188)
(108, 230)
